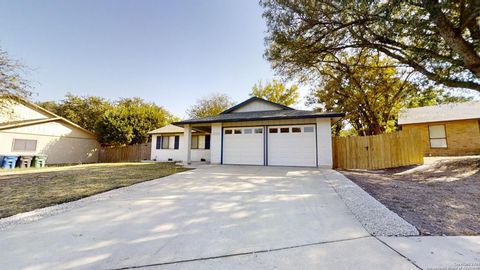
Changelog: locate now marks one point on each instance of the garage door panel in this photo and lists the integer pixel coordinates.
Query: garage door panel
(292, 146)
(243, 146)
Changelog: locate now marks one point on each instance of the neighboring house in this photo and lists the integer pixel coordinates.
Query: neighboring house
(448, 129)
(168, 144)
(28, 129)
(254, 132)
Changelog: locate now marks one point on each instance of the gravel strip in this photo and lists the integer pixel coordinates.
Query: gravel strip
(377, 219)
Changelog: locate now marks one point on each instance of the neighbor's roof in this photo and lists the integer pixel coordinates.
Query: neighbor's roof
(261, 115)
(438, 113)
(28, 122)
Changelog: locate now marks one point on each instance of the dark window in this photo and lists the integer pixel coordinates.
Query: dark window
(273, 130)
(159, 142)
(284, 130)
(237, 131)
(207, 141)
(296, 130)
(177, 142)
(165, 142)
(228, 131)
(24, 145)
(194, 142)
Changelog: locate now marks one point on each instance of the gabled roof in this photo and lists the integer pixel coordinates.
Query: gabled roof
(167, 129)
(439, 113)
(252, 99)
(171, 129)
(53, 117)
(261, 115)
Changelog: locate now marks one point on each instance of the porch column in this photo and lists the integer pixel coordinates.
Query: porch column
(187, 135)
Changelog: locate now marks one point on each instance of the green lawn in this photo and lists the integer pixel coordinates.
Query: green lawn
(23, 190)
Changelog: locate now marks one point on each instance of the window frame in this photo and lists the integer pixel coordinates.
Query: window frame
(24, 149)
(228, 131)
(166, 139)
(284, 130)
(195, 145)
(258, 131)
(430, 138)
(273, 130)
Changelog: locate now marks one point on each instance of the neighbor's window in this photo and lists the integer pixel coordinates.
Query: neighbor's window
(228, 131)
(438, 136)
(258, 130)
(194, 142)
(165, 142)
(273, 130)
(296, 130)
(308, 129)
(24, 145)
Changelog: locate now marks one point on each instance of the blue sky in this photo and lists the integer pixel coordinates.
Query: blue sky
(168, 52)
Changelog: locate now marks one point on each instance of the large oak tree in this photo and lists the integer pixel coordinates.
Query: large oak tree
(439, 39)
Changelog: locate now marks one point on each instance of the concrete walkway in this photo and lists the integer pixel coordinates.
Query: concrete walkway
(214, 217)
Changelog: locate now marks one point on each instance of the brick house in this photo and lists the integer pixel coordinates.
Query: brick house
(446, 130)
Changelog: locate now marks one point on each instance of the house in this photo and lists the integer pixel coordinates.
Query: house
(28, 129)
(254, 132)
(168, 144)
(448, 129)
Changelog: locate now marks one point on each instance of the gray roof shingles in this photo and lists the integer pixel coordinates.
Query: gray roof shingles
(261, 115)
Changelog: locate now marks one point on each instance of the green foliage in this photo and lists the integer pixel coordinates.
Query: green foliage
(438, 39)
(432, 96)
(84, 111)
(12, 81)
(367, 88)
(129, 121)
(276, 92)
(210, 105)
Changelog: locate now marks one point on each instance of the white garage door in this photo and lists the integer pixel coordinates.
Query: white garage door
(292, 145)
(243, 146)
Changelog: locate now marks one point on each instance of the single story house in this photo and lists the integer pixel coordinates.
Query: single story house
(254, 132)
(28, 129)
(447, 129)
(168, 144)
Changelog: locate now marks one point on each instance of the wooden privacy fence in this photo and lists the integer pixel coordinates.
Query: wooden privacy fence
(134, 152)
(379, 151)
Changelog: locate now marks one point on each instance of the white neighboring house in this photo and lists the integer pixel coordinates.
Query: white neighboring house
(28, 129)
(168, 144)
(254, 132)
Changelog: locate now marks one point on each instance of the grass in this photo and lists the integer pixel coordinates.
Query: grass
(23, 190)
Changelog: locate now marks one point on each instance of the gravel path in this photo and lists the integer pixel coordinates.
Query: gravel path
(377, 219)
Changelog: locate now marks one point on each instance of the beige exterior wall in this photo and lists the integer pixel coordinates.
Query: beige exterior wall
(62, 143)
(256, 106)
(14, 111)
(463, 137)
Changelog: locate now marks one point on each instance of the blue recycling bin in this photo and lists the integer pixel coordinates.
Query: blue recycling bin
(9, 162)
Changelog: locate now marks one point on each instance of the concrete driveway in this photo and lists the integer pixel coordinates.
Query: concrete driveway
(214, 217)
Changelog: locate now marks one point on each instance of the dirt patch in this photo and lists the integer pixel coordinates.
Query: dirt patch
(439, 198)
